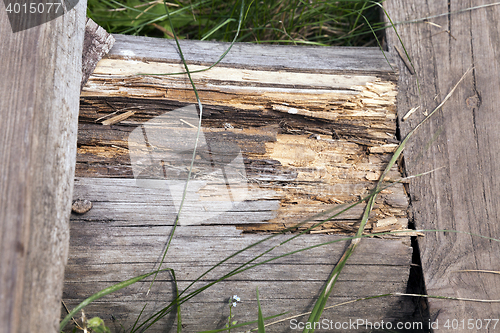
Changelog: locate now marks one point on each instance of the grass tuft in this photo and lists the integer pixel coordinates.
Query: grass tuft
(312, 22)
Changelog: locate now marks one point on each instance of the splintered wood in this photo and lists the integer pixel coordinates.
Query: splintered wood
(308, 140)
(286, 133)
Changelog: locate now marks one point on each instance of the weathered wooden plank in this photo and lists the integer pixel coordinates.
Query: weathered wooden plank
(201, 316)
(461, 141)
(306, 139)
(344, 60)
(270, 272)
(121, 201)
(39, 89)
(102, 256)
(96, 43)
(111, 241)
(316, 139)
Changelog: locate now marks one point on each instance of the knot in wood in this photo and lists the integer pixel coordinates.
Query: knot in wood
(473, 101)
(81, 206)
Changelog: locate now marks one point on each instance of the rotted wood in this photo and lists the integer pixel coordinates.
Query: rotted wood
(286, 133)
(315, 138)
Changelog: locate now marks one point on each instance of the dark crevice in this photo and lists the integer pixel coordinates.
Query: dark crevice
(416, 282)
(416, 285)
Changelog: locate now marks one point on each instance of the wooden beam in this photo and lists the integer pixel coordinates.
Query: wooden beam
(311, 137)
(461, 141)
(315, 128)
(305, 59)
(39, 89)
(101, 255)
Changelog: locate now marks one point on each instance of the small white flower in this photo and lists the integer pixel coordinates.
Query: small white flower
(234, 304)
(236, 298)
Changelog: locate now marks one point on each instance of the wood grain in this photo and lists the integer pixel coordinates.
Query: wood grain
(117, 201)
(101, 255)
(462, 139)
(331, 60)
(39, 89)
(310, 140)
(96, 43)
(315, 128)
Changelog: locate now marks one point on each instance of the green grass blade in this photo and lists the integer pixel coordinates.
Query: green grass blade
(401, 42)
(211, 32)
(260, 320)
(321, 302)
(139, 316)
(103, 293)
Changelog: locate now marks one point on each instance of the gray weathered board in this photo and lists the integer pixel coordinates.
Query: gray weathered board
(96, 43)
(314, 127)
(40, 73)
(461, 141)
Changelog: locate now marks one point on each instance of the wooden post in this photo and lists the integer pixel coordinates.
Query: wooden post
(39, 89)
(460, 143)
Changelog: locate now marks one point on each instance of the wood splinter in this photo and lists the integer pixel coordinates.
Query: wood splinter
(118, 118)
